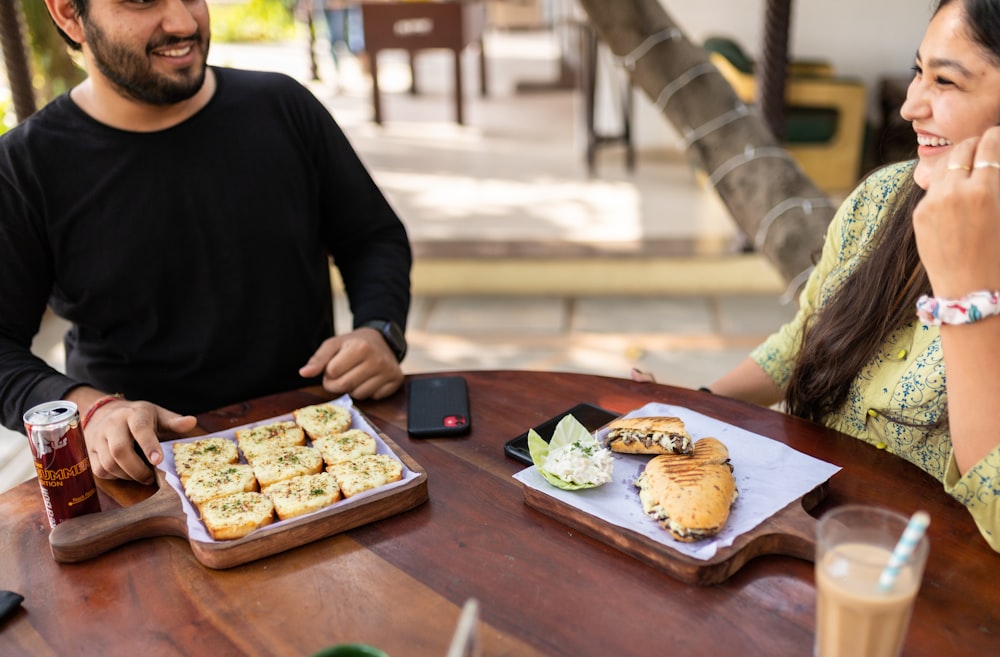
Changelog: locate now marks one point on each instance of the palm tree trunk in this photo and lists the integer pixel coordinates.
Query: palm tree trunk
(50, 56)
(769, 197)
(16, 59)
(777, 18)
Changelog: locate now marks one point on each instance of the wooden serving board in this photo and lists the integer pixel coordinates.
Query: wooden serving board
(163, 514)
(791, 531)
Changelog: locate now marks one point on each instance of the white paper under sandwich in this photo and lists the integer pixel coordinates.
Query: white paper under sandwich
(769, 474)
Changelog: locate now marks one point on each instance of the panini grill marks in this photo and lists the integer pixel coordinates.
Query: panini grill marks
(710, 451)
(690, 499)
(707, 451)
(688, 479)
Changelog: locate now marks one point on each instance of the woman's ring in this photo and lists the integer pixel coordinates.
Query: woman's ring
(982, 164)
(961, 167)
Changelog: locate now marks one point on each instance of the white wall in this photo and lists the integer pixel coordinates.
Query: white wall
(867, 39)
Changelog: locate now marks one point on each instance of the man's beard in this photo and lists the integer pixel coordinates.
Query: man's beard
(132, 74)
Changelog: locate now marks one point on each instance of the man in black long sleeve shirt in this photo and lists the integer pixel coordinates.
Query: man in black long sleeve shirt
(183, 219)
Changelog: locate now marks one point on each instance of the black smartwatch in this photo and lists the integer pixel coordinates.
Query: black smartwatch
(392, 333)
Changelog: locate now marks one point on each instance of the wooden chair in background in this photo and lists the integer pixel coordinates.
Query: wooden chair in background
(825, 114)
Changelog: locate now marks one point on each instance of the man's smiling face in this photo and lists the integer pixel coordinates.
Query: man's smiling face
(151, 51)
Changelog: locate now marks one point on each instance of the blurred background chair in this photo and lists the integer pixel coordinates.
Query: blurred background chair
(825, 114)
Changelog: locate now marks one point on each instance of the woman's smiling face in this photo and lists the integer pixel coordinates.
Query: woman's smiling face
(955, 92)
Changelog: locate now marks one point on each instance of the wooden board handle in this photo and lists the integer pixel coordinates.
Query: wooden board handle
(798, 534)
(791, 531)
(89, 536)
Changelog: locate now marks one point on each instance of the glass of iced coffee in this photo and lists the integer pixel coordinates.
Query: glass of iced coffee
(855, 616)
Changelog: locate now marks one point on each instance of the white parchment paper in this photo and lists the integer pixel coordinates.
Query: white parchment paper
(197, 530)
(769, 475)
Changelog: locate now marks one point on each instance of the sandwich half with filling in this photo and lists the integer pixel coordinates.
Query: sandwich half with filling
(690, 496)
(648, 435)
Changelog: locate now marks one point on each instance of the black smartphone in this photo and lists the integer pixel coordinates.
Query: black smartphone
(591, 416)
(437, 406)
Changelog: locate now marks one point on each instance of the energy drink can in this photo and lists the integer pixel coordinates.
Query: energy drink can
(61, 461)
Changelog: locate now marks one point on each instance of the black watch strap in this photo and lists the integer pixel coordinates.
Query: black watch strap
(392, 333)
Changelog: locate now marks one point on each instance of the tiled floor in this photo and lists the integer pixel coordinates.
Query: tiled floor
(512, 186)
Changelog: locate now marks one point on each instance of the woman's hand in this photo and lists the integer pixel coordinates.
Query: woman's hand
(957, 228)
(957, 224)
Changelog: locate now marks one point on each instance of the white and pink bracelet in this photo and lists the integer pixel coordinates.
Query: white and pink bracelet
(935, 311)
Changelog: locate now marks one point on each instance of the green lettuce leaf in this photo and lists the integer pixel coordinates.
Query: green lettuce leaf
(568, 431)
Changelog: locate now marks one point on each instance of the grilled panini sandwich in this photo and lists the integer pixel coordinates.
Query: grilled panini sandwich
(690, 496)
(648, 435)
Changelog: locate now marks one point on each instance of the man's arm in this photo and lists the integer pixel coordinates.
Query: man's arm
(370, 248)
(113, 426)
(26, 380)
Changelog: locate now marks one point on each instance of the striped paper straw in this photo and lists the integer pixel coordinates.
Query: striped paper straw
(904, 549)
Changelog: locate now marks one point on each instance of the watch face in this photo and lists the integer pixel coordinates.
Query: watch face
(396, 339)
(393, 335)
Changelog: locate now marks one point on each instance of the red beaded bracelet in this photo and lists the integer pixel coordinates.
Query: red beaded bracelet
(103, 401)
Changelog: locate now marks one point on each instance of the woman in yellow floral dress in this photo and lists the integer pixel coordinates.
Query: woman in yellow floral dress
(922, 234)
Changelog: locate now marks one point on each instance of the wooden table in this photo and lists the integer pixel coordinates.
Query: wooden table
(544, 589)
(422, 25)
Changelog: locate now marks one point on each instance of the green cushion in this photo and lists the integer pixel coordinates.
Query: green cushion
(803, 125)
(808, 125)
(731, 51)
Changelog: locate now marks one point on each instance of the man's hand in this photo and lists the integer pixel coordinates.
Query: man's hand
(359, 364)
(114, 429)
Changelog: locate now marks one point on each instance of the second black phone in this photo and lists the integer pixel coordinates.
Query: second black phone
(438, 406)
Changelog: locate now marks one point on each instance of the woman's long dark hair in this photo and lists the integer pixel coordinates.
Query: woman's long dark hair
(875, 300)
(881, 295)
